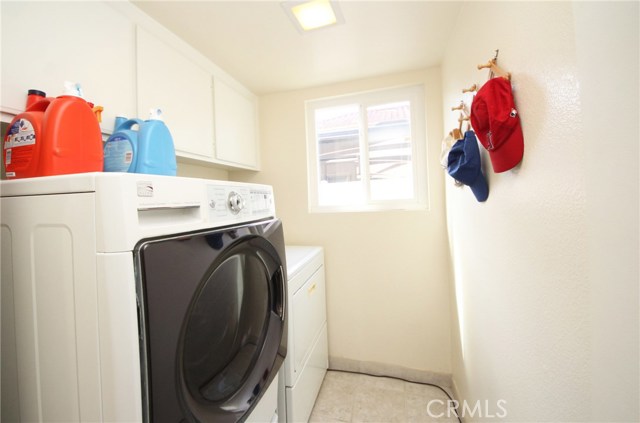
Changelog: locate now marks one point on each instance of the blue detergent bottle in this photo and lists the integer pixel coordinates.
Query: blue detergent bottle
(121, 148)
(156, 153)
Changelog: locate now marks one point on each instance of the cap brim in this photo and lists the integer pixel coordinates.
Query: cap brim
(510, 152)
(480, 188)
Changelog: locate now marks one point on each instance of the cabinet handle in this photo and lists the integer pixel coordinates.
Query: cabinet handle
(311, 289)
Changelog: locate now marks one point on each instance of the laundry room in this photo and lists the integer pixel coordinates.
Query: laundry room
(417, 211)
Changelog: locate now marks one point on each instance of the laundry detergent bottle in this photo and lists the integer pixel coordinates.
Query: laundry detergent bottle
(72, 138)
(156, 153)
(24, 138)
(121, 148)
(53, 137)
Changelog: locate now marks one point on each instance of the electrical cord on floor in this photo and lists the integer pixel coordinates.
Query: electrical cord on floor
(404, 380)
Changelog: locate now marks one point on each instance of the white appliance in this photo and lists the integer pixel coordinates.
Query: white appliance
(130, 298)
(307, 360)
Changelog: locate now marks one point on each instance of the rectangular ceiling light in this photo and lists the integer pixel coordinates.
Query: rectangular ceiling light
(313, 14)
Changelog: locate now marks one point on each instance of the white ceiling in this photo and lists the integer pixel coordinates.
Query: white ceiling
(256, 43)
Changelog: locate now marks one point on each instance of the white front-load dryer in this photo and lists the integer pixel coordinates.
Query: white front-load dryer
(130, 297)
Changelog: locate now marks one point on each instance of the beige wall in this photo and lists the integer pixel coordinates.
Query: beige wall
(196, 171)
(387, 272)
(545, 305)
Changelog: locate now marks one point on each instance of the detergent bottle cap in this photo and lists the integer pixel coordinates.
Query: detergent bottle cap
(155, 114)
(34, 96)
(73, 89)
(36, 92)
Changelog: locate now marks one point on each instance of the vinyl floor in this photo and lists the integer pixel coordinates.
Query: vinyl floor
(352, 397)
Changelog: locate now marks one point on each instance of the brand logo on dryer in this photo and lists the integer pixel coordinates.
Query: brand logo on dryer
(145, 189)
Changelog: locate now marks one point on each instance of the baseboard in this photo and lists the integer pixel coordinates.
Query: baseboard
(455, 394)
(379, 369)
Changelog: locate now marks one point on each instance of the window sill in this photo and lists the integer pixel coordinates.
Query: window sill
(369, 208)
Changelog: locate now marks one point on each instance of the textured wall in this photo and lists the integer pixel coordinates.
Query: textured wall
(607, 43)
(387, 272)
(524, 309)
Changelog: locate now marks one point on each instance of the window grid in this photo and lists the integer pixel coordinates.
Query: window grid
(405, 107)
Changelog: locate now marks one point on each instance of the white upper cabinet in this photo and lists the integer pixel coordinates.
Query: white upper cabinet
(47, 43)
(128, 63)
(170, 81)
(236, 125)
(212, 118)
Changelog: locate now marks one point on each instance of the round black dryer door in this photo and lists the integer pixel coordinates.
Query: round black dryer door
(213, 307)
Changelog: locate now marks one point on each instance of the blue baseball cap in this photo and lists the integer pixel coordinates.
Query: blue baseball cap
(464, 165)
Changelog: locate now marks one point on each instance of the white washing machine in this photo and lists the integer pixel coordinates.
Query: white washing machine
(131, 298)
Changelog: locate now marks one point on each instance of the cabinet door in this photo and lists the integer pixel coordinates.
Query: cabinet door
(236, 125)
(170, 81)
(47, 43)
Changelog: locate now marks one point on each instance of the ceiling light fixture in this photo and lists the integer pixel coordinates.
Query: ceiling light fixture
(314, 14)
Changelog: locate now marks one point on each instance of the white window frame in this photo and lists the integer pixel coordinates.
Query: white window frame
(415, 94)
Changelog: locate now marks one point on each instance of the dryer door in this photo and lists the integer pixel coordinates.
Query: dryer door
(213, 309)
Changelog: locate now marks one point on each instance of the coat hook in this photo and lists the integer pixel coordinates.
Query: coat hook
(472, 88)
(458, 107)
(495, 69)
(485, 65)
(461, 119)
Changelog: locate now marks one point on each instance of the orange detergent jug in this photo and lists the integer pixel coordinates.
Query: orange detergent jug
(21, 152)
(53, 137)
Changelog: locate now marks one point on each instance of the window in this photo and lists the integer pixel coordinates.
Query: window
(367, 151)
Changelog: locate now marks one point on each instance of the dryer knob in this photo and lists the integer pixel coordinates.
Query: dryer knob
(236, 202)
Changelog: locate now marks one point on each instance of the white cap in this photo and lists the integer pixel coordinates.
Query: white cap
(72, 88)
(155, 114)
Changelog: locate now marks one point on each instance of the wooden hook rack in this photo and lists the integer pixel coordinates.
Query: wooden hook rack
(472, 88)
(495, 69)
(461, 119)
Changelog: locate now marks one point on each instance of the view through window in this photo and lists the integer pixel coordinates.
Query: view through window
(367, 151)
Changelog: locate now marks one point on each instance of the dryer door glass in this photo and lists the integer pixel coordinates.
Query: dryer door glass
(213, 309)
(226, 327)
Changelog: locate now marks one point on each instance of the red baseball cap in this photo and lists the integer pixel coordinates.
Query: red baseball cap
(496, 122)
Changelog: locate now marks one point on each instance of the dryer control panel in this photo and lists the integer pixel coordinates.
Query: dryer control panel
(226, 201)
(133, 206)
